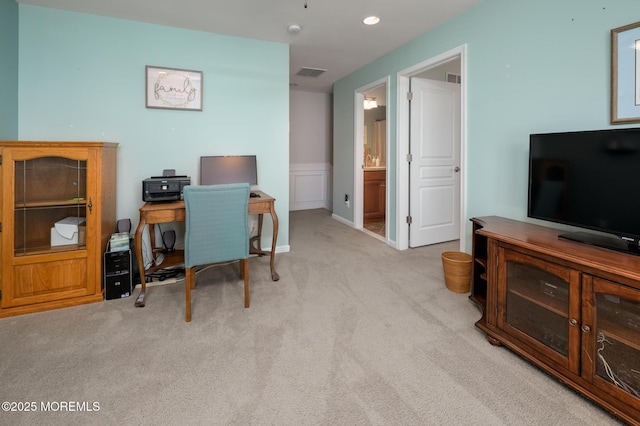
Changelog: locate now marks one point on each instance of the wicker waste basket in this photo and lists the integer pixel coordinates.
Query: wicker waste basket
(457, 271)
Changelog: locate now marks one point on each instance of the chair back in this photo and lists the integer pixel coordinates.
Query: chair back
(217, 223)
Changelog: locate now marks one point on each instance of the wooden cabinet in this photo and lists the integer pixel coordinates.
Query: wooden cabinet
(57, 215)
(569, 308)
(375, 186)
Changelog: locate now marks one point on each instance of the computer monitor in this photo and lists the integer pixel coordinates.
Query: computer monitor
(219, 169)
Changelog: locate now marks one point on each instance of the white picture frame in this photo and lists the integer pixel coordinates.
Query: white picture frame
(173, 88)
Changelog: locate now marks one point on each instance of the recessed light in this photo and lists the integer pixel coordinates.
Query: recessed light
(371, 20)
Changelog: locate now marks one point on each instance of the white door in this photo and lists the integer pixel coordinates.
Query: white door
(434, 171)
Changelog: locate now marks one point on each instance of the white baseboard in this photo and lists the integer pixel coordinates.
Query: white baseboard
(343, 220)
(283, 249)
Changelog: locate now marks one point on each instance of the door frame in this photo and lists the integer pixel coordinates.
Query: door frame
(358, 154)
(402, 142)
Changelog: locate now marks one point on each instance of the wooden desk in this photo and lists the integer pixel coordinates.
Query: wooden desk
(174, 211)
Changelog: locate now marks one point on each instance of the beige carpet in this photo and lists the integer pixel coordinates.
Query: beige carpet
(354, 333)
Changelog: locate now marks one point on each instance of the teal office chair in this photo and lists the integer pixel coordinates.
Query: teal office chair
(216, 231)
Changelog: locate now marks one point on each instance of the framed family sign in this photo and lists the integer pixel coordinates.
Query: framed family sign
(625, 74)
(173, 88)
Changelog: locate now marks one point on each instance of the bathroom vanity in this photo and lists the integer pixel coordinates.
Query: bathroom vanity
(375, 181)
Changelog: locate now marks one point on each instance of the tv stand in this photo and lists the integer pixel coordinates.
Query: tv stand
(571, 309)
(610, 242)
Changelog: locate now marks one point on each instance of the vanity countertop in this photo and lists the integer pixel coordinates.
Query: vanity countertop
(374, 168)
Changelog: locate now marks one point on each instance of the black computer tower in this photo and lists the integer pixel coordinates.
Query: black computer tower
(117, 274)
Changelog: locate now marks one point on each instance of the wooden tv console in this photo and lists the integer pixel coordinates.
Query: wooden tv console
(571, 309)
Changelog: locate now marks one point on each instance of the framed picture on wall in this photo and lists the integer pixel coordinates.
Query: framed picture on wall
(173, 88)
(625, 74)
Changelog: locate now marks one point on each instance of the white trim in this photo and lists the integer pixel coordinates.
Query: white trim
(358, 155)
(305, 167)
(341, 219)
(283, 249)
(402, 143)
(310, 186)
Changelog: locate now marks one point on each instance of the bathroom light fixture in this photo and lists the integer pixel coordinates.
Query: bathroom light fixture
(370, 103)
(293, 28)
(371, 20)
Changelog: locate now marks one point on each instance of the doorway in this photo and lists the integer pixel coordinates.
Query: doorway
(370, 164)
(405, 186)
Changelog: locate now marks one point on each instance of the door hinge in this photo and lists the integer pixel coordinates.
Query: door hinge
(409, 158)
(409, 96)
(409, 220)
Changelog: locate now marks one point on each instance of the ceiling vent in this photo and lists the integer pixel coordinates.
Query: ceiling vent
(310, 72)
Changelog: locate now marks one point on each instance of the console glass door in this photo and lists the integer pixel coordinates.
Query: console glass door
(538, 305)
(539, 308)
(617, 338)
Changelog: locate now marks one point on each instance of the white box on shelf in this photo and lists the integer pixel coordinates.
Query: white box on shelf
(69, 230)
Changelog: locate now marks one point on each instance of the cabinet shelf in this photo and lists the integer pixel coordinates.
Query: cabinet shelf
(479, 270)
(48, 249)
(540, 299)
(622, 334)
(483, 263)
(49, 204)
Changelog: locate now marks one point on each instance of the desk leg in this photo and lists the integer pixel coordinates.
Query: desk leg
(138, 247)
(274, 218)
(255, 245)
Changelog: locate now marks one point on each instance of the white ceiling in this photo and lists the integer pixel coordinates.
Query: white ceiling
(332, 35)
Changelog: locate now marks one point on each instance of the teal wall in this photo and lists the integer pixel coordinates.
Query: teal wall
(8, 69)
(82, 77)
(533, 67)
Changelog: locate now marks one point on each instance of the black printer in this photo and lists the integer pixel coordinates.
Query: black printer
(164, 188)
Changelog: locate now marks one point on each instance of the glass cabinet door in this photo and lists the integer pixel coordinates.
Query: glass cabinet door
(613, 327)
(542, 306)
(50, 205)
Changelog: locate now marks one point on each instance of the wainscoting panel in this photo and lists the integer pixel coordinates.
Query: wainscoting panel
(310, 186)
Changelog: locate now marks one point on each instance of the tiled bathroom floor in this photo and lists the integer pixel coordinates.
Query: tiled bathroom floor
(377, 227)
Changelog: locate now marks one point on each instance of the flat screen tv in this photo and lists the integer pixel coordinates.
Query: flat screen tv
(219, 169)
(590, 180)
